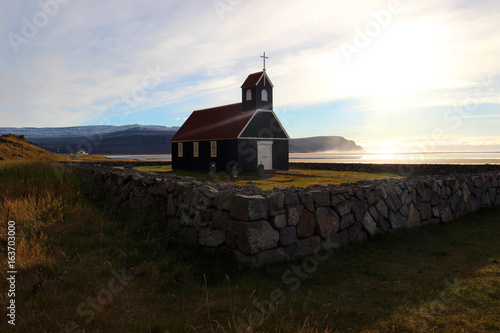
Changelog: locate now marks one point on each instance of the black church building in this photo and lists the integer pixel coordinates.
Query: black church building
(243, 134)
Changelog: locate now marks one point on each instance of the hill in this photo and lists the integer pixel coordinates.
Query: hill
(15, 147)
(323, 144)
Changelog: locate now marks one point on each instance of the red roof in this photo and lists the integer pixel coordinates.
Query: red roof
(252, 80)
(222, 122)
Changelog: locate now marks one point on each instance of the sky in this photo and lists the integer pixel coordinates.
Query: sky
(391, 75)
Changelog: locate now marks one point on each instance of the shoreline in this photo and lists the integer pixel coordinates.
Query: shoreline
(466, 157)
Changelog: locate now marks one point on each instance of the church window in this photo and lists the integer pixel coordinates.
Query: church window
(180, 150)
(196, 150)
(213, 148)
(265, 97)
(249, 95)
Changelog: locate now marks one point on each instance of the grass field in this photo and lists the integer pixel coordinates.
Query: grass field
(293, 177)
(85, 264)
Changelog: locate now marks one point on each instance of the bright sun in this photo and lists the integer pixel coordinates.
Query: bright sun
(398, 62)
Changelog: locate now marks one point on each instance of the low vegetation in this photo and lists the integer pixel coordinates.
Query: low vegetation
(85, 158)
(293, 177)
(15, 148)
(85, 264)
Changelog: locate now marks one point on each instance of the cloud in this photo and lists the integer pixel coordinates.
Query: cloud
(88, 58)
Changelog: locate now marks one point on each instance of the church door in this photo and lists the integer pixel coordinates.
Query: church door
(265, 154)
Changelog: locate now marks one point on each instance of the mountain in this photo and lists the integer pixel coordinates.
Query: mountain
(78, 131)
(143, 140)
(133, 141)
(323, 144)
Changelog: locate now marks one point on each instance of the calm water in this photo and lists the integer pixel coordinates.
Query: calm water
(413, 158)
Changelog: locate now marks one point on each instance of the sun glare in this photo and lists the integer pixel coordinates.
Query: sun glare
(399, 62)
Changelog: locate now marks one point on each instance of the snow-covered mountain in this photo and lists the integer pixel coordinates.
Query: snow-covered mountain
(78, 131)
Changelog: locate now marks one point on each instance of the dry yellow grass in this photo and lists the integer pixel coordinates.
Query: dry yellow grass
(15, 148)
(293, 177)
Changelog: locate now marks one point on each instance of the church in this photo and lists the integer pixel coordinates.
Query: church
(238, 136)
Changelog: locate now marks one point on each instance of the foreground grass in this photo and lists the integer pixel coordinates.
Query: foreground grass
(83, 263)
(293, 177)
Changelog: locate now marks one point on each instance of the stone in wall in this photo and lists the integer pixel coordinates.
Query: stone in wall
(382, 208)
(210, 237)
(293, 214)
(306, 199)
(346, 221)
(414, 218)
(251, 237)
(321, 198)
(306, 224)
(220, 220)
(223, 200)
(327, 221)
(359, 207)
(276, 201)
(288, 236)
(397, 220)
(370, 225)
(249, 207)
(279, 221)
(344, 207)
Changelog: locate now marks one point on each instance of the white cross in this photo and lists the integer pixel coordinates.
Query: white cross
(264, 58)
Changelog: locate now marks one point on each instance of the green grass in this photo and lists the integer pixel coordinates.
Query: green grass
(442, 278)
(293, 177)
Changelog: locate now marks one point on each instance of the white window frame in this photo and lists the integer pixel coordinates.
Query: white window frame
(249, 95)
(196, 149)
(213, 148)
(265, 95)
(180, 149)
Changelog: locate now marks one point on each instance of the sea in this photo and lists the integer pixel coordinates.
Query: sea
(380, 158)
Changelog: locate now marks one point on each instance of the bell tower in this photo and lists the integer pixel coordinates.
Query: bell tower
(257, 91)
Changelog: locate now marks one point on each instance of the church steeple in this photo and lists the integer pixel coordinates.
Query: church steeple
(257, 91)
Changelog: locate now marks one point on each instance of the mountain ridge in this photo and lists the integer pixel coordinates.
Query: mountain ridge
(74, 131)
(145, 139)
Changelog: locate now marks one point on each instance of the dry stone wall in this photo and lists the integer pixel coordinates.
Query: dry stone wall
(260, 227)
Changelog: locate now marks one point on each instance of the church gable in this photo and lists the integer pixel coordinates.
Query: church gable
(264, 124)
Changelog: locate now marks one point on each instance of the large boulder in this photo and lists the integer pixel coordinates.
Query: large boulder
(276, 201)
(321, 198)
(327, 221)
(249, 207)
(413, 218)
(369, 224)
(306, 224)
(397, 220)
(251, 237)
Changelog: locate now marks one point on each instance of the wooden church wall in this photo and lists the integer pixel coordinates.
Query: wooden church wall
(226, 152)
(280, 155)
(247, 149)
